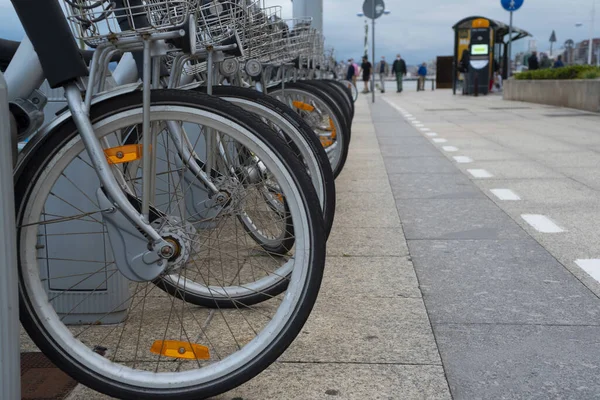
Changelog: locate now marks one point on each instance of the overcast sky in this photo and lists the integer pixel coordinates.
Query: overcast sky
(419, 29)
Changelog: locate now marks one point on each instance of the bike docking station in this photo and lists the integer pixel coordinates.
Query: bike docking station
(478, 77)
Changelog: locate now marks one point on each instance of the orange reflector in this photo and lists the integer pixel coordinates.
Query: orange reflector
(178, 349)
(326, 142)
(332, 127)
(303, 106)
(279, 197)
(123, 154)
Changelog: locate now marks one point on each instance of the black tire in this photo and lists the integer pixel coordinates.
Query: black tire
(330, 102)
(343, 90)
(339, 98)
(306, 132)
(64, 359)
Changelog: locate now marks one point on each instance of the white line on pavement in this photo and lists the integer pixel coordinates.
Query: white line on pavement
(480, 173)
(439, 140)
(505, 194)
(425, 129)
(463, 159)
(432, 134)
(415, 122)
(419, 125)
(592, 267)
(541, 223)
(399, 109)
(450, 148)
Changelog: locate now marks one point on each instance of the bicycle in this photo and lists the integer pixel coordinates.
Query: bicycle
(135, 146)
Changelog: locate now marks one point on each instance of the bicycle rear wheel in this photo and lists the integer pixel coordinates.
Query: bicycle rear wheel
(297, 133)
(320, 112)
(352, 88)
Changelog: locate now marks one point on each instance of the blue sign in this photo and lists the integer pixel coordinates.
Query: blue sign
(512, 5)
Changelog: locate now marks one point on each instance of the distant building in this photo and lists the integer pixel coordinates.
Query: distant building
(581, 51)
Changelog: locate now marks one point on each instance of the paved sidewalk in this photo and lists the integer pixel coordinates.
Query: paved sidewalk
(369, 336)
(498, 200)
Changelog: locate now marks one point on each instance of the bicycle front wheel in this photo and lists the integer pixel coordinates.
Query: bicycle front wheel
(127, 339)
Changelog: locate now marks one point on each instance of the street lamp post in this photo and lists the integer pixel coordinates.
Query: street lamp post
(385, 12)
(591, 43)
(590, 52)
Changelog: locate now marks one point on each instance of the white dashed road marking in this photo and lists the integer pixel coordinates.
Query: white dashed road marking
(425, 129)
(450, 148)
(463, 159)
(592, 267)
(432, 134)
(541, 223)
(505, 194)
(439, 140)
(480, 173)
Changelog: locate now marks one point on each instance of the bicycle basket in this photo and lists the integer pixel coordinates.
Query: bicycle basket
(220, 22)
(99, 21)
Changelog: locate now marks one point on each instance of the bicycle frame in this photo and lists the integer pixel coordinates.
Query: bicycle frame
(26, 73)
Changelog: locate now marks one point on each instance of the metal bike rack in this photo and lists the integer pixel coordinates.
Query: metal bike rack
(10, 363)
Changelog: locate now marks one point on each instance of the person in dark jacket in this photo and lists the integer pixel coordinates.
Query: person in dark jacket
(533, 62)
(351, 72)
(422, 76)
(559, 62)
(399, 68)
(365, 69)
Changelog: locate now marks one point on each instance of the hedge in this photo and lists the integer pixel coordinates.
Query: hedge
(570, 72)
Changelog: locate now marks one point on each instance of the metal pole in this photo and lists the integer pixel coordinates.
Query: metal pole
(510, 29)
(373, 52)
(592, 33)
(366, 38)
(10, 363)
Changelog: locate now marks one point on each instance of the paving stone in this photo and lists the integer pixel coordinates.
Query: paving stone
(366, 242)
(366, 330)
(346, 182)
(520, 361)
(419, 165)
(456, 219)
(427, 186)
(345, 381)
(514, 281)
(370, 277)
(400, 150)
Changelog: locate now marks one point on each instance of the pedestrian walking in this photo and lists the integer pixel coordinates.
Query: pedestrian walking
(350, 72)
(533, 61)
(422, 75)
(384, 69)
(365, 69)
(399, 68)
(559, 62)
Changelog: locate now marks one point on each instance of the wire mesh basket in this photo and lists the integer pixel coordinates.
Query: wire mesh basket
(219, 22)
(262, 36)
(271, 39)
(99, 21)
(301, 37)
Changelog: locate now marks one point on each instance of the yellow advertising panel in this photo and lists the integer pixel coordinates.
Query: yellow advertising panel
(464, 41)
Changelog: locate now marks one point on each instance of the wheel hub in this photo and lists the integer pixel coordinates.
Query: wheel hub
(179, 234)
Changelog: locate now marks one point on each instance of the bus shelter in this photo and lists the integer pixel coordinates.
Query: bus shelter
(496, 38)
